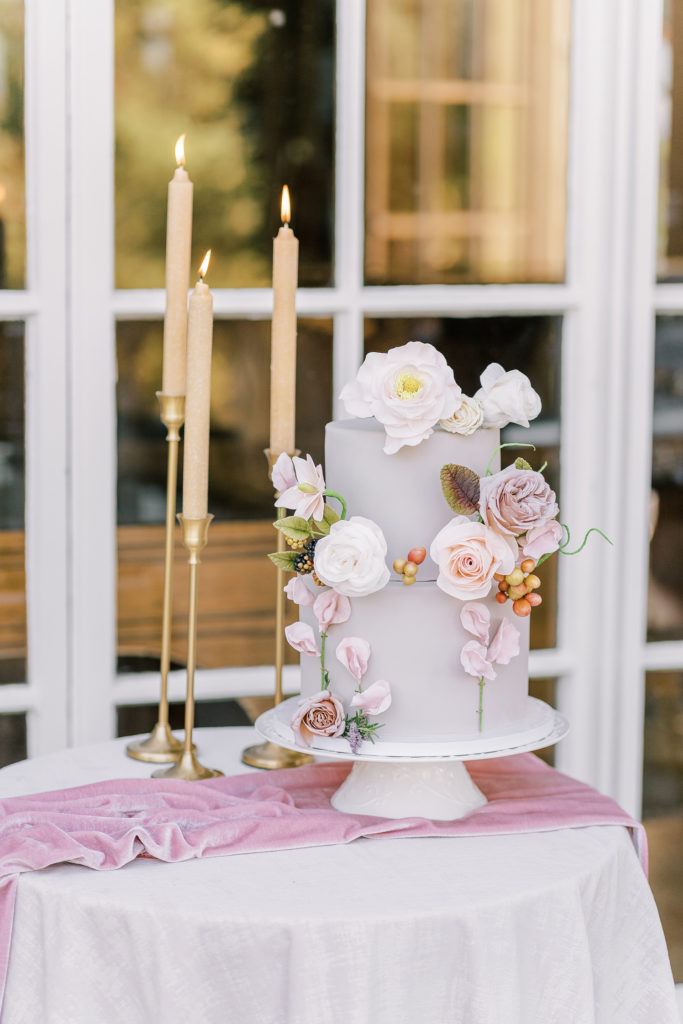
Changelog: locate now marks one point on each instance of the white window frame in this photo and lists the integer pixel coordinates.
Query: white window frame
(608, 305)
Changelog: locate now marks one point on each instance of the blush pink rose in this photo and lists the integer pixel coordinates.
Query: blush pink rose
(468, 554)
(354, 653)
(476, 619)
(505, 644)
(542, 540)
(331, 608)
(319, 715)
(474, 658)
(297, 591)
(374, 700)
(516, 500)
(300, 636)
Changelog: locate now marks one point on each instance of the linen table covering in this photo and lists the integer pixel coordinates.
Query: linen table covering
(108, 824)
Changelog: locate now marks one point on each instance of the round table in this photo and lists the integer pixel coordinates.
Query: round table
(544, 928)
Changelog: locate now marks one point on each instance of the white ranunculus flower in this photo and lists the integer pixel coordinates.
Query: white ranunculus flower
(467, 418)
(351, 557)
(408, 390)
(507, 397)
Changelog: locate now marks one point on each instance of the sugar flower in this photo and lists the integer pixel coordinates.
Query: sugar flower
(468, 554)
(408, 389)
(297, 591)
(319, 715)
(516, 500)
(505, 644)
(284, 476)
(467, 418)
(375, 700)
(354, 653)
(305, 497)
(507, 397)
(330, 609)
(476, 619)
(300, 636)
(474, 659)
(542, 540)
(351, 559)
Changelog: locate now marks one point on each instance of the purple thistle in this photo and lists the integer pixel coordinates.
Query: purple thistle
(354, 738)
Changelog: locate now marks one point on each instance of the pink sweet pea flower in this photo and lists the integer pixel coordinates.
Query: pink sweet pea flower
(354, 653)
(305, 497)
(476, 619)
(542, 540)
(284, 476)
(297, 591)
(319, 715)
(300, 636)
(474, 659)
(375, 699)
(331, 608)
(505, 644)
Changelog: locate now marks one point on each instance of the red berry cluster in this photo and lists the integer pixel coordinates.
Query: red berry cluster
(520, 586)
(407, 567)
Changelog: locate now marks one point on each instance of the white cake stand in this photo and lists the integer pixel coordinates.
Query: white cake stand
(406, 780)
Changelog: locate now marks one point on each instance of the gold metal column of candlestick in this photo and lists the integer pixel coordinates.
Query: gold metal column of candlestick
(269, 755)
(161, 745)
(195, 533)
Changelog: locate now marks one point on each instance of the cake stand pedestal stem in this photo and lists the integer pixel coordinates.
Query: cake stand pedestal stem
(440, 791)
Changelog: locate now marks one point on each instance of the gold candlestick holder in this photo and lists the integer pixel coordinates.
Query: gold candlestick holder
(195, 532)
(161, 745)
(269, 755)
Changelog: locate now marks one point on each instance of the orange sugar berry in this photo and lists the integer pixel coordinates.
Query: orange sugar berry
(501, 598)
(528, 565)
(417, 555)
(521, 607)
(534, 599)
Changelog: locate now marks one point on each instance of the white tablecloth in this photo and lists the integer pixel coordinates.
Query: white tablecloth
(549, 928)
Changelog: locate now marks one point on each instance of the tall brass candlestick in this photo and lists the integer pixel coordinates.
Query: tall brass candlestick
(161, 745)
(195, 535)
(269, 755)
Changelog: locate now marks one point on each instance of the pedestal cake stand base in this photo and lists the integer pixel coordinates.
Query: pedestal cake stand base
(411, 784)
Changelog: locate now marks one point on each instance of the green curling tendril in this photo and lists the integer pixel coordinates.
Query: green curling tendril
(507, 444)
(333, 494)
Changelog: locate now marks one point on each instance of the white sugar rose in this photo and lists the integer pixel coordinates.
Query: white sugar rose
(468, 554)
(507, 397)
(467, 418)
(352, 557)
(408, 390)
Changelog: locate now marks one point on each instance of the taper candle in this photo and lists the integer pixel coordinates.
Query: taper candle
(198, 399)
(283, 334)
(178, 243)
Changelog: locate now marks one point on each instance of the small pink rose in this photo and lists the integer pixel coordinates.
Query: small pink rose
(319, 715)
(283, 473)
(476, 619)
(542, 540)
(297, 591)
(375, 699)
(300, 636)
(331, 608)
(474, 659)
(354, 653)
(515, 501)
(505, 644)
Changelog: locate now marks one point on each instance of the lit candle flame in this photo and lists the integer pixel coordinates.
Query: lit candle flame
(285, 206)
(205, 265)
(180, 151)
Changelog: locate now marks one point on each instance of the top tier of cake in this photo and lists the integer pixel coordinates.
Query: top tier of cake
(401, 492)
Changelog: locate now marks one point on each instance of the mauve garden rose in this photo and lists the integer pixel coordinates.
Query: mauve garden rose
(301, 637)
(319, 715)
(474, 659)
(467, 418)
(375, 700)
(408, 389)
(516, 500)
(351, 558)
(476, 619)
(507, 397)
(331, 608)
(468, 554)
(542, 540)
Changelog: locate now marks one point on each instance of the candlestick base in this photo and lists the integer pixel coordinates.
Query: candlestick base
(160, 746)
(269, 755)
(188, 768)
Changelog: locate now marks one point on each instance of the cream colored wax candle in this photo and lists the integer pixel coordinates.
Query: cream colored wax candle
(283, 335)
(178, 243)
(198, 399)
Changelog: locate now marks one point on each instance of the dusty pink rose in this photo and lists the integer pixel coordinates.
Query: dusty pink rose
(468, 554)
(542, 540)
(284, 476)
(305, 496)
(319, 715)
(476, 619)
(300, 636)
(375, 699)
(331, 608)
(505, 644)
(516, 500)
(475, 660)
(354, 653)
(297, 591)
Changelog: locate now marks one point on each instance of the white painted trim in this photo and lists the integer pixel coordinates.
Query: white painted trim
(668, 298)
(210, 684)
(92, 369)
(662, 656)
(14, 305)
(16, 697)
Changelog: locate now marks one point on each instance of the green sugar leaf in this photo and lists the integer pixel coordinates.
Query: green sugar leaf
(283, 560)
(293, 527)
(522, 464)
(460, 487)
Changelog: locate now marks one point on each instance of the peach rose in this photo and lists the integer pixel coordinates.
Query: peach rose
(319, 715)
(468, 554)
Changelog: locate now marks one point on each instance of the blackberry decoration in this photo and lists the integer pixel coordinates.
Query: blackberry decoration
(303, 563)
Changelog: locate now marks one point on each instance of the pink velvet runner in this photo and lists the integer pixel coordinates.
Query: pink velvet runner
(107, 824)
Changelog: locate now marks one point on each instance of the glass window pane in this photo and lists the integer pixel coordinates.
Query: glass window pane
(12, 178)
(531, 345)
(665, 587)
(466, 140)
(236, 624)
(253, 88)
(12, 739)
(663, 802)
(12, 574)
